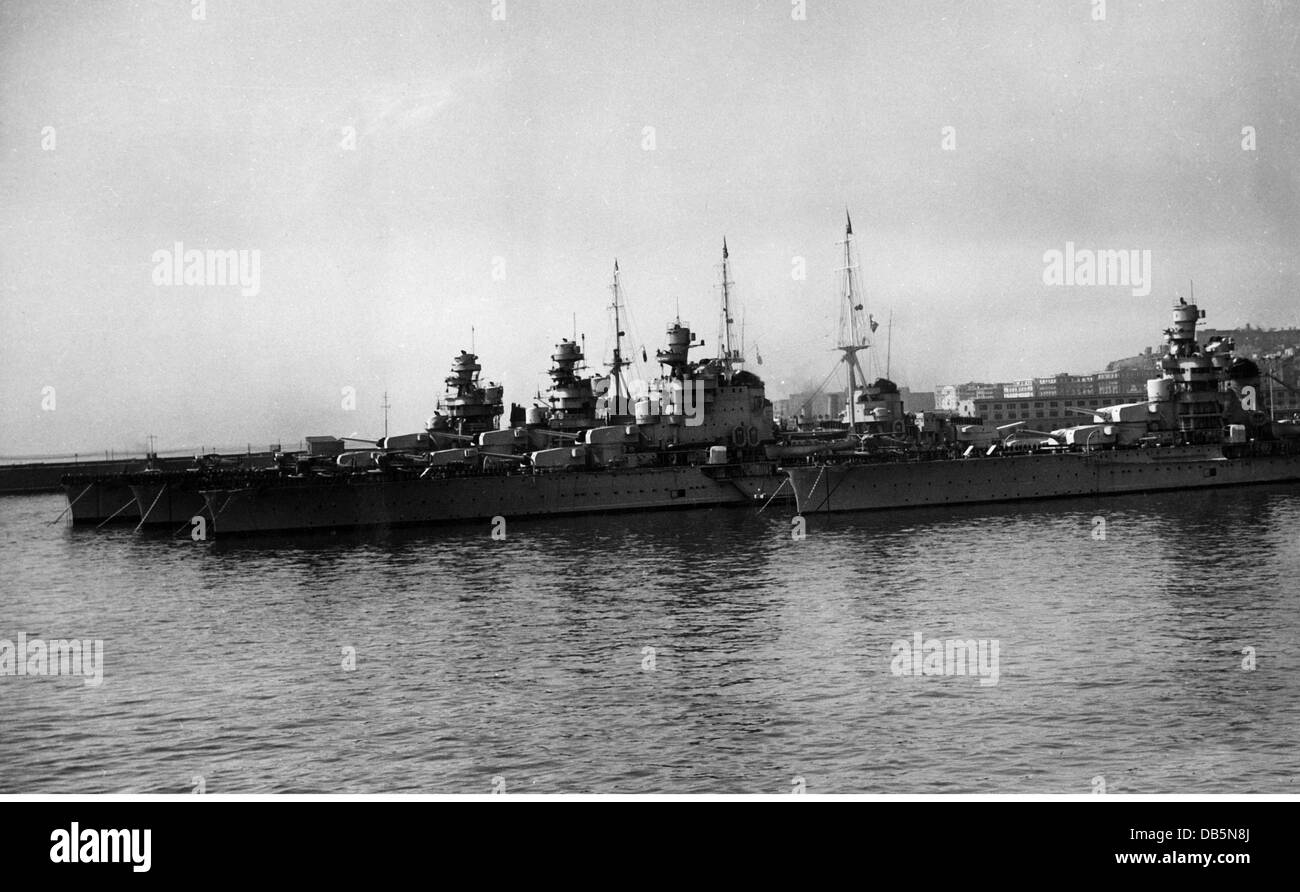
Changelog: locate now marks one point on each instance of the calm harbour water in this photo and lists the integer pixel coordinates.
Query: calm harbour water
(522, 663)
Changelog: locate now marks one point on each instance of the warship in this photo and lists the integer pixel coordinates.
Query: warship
(696, 436)
(1201, 425)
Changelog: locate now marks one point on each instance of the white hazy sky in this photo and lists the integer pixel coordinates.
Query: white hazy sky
(523, 139)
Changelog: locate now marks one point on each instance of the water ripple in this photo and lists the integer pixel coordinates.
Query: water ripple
(694, 651)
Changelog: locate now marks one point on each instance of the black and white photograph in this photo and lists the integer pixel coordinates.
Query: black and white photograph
(594, 400)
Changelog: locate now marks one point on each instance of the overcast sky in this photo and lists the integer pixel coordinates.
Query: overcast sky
(520, 147)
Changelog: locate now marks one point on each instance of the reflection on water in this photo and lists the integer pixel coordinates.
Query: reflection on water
(692, 651)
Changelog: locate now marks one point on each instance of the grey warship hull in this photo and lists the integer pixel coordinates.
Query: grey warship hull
(876, 485)
(359, 502)
(167, 503)
(96, 500)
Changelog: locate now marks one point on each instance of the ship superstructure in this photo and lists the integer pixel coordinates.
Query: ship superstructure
(571, 398)
(693, 403)
(469, 406)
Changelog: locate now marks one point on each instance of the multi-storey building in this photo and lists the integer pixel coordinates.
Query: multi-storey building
(810, 407)
(949, 396)
(1045, 412)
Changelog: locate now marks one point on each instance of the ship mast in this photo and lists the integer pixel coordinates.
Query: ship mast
(619, 363)
(889, 343)
(724, 334)
(852, 330)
